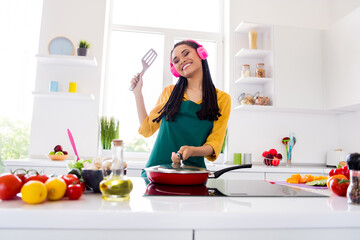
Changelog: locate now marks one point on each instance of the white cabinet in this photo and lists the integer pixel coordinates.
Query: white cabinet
(298, 54)
(342, 63)
(244, 55)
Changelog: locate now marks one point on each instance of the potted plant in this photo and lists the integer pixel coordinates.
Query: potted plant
(83, 47)
(109, 130)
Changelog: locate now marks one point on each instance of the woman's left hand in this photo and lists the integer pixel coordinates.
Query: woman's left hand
(185, 151)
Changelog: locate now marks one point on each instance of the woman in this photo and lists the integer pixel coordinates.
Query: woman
(192, 115)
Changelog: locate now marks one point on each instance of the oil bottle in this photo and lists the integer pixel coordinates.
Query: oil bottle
(115, 186)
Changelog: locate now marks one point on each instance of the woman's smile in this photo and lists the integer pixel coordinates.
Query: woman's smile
(186, 66)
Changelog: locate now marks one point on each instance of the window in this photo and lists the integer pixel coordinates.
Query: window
(132, 35)
(20, 27)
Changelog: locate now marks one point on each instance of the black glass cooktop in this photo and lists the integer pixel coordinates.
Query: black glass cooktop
(230, 188)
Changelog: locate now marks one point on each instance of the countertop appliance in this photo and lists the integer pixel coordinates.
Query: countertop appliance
(333, 157)
(230, 188)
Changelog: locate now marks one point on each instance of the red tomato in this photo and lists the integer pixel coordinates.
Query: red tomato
(70, 179)
(74, 191)
(41, 178)
(83, 186)
(339, 186)
(10, 185)
(332, 172)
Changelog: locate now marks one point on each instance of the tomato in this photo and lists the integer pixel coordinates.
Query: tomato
(83, 186)
(20, 173)
(74, 191)
(10, 185)
(335, 176)
(339, 186)
(41, 178)
(331, 173)
(70, 179)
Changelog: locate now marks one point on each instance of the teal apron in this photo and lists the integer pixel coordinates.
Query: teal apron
(186, 130)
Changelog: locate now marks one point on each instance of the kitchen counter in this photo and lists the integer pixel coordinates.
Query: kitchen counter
(198, 218)
(49, 165)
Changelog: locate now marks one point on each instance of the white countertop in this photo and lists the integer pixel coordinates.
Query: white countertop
(211, 166)
(159, 212)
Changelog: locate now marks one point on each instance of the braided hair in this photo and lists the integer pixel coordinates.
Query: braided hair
(209, 106)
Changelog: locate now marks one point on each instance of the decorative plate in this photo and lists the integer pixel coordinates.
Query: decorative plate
(61, 46)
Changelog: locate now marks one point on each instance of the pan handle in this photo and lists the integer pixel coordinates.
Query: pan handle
(222, 171)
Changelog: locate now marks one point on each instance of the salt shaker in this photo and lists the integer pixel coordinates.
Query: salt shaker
(353, 192)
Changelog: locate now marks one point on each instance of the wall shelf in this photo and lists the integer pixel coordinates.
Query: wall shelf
(65, 95)
(254, 80)
(252, 53)
(245, 27)
(67, 60)
(254, 107)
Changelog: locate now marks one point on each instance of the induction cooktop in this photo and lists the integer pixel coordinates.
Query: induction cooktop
(230, 188)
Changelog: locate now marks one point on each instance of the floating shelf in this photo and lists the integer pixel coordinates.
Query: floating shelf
(253, 53)
(254, 107)
(64, 95)
(67, 60)
(253, 80)
(245, 27)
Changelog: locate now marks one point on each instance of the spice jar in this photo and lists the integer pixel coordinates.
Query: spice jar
(245, 71)
(260, 70)
(246, 99)
(353, 192)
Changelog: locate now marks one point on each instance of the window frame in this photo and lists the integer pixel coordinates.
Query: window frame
(170, 36)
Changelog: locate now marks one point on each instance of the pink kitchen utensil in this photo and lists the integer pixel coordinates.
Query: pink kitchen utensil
(73, 144)
(146, 61)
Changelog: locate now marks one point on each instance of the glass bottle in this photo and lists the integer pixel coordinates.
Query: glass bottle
(245, 71)
(260, 70)
(115, 186)
(353, 191)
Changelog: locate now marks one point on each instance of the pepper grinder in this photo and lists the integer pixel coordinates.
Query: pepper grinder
(353, 192)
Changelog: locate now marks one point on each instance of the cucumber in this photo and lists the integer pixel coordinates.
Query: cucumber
(76, 172)
(321, 182)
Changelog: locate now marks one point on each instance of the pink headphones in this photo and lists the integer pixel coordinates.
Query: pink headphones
(201, 51)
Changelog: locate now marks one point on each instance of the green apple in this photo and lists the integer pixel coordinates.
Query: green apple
(52, 153)
(59, 153)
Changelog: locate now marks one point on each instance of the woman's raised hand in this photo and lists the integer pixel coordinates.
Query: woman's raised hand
(137, 82)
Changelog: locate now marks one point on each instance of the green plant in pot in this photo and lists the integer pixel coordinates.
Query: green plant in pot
(83, 47)
(109, 130)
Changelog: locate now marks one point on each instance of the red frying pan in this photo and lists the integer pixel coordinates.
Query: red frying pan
(176, 174)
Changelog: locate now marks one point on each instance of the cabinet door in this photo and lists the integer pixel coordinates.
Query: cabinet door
(298, 67)
(342, 62)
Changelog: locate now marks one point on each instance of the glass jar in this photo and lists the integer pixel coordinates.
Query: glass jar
(260, 70)
(245, 71)
(253, 39)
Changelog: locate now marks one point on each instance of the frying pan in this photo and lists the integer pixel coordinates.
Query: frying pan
(176, 174)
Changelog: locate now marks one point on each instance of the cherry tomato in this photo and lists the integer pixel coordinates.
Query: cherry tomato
(74, 191)
(41, 178)
(10, 185)
(20, 173)
(70, 179)
(339, 186)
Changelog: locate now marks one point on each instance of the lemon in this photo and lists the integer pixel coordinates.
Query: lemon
(33, 192)
(56, 188)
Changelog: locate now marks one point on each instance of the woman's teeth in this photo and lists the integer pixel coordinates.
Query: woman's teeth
(186, 66)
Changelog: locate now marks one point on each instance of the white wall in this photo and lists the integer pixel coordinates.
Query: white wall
(340, 8)
(256, 132)
(76, 20)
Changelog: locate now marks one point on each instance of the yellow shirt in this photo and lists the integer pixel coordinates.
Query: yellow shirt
(217, 135)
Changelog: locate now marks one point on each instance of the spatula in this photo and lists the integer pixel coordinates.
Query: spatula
(73, 144)
(146, 61)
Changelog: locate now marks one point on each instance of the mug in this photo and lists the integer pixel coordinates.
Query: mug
(237, 158)
(54, 86)
(72, 87)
